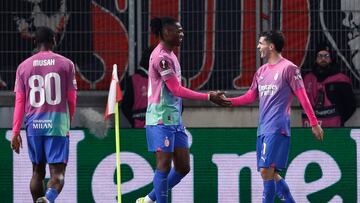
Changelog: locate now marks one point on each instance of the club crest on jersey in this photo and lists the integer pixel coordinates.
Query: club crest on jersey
(164, 64)
(166, 142)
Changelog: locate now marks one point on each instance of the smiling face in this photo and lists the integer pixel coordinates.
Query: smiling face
(351, 20)
(264, 47)
(173, 34)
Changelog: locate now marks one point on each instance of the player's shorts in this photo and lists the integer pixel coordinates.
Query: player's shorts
(272, 151)
(48, 149)
(165, 138)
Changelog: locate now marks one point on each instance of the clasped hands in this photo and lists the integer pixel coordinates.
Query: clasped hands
(219, 98)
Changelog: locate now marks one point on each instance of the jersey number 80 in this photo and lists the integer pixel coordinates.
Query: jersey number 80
(43, 86)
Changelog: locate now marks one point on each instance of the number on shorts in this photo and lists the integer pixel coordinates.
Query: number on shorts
(44, 88)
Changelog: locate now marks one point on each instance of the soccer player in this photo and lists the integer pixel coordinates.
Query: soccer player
(46, 93)
(275, 83)
(165, 132)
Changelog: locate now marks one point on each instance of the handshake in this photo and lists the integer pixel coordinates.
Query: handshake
(219, 98)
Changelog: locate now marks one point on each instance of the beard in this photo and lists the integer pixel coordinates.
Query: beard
(264, 53)
(323, 65)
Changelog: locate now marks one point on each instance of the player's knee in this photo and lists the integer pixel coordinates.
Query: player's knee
(163, 166)
(39, 174)
(59, 178)
(266, 174)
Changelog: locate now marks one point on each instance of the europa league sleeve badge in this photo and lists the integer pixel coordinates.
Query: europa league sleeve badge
(167, 142)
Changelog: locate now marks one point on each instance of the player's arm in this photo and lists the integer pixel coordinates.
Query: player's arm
(166, 68)
(16, 141)
(248, 98)
(72, 87)
(177, 90)
(305, 103)
(294, 79)
(19, 111)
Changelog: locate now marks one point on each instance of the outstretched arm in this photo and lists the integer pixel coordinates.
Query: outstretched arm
(248, 98)
(177, 90)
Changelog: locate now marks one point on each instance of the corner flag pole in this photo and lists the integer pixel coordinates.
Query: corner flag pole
(117, 141)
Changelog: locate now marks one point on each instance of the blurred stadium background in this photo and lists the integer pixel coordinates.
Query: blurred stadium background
(218, 52)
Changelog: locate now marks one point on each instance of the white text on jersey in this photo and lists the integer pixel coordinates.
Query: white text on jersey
(44, 62)
(267, 90)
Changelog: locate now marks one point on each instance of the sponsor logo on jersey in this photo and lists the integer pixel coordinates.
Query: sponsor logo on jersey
(42, 124)
(267, 90)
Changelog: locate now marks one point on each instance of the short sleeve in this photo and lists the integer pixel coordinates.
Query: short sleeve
(165, 67)
(293, 78)
(19, 83)
(72, 85)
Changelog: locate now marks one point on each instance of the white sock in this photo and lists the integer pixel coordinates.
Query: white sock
(148, 200)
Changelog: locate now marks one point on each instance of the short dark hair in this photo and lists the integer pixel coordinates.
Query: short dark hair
(158, 23)
(44, 35)
(275, 37)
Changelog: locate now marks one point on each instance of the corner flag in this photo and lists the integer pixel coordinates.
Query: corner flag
(114, 97)
(115, 94)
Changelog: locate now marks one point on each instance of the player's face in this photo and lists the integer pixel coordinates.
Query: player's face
(352, 21)
(264, 47)
(323, 58)
(175, 34)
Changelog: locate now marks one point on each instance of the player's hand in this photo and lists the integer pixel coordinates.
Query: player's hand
(219, 98)
(16, 143)
(318, 132)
